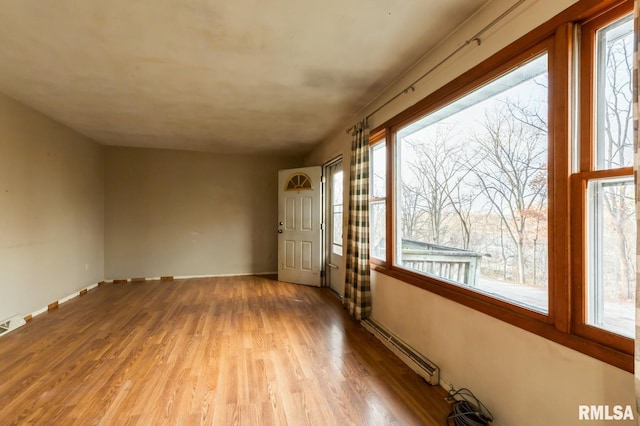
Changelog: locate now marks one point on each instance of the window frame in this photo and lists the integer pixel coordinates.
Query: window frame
(376, 138)
(512, 64)
(563, 323)
(586, 171)
(333, 211)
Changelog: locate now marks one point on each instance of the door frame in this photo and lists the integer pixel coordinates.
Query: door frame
(326, 216)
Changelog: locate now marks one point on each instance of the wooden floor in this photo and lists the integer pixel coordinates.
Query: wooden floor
(223, 351)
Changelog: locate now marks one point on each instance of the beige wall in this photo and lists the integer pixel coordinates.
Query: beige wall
(51, 210)
(523, 378)
(184, 213)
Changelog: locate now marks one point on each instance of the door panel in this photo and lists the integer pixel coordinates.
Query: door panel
(290, 254)
(307, 256)
(290, 212)
(299, 234)
(307, 214)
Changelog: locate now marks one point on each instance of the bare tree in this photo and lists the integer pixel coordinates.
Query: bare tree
(615, 149)
(461, 201)
(411, 213)
(512, 172)
(435, 169)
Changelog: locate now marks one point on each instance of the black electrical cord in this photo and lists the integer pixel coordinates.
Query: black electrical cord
(468, 411)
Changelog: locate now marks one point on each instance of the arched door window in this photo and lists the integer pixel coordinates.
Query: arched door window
(299, 181)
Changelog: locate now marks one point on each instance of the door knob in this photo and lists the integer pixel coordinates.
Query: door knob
(281, 223)
(279, 231)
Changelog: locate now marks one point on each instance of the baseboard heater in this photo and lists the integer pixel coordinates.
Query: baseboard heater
(418, 363)
(11, 324)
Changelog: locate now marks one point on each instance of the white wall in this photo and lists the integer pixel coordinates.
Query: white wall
(187, 213)
(523, 378)
(51, 210)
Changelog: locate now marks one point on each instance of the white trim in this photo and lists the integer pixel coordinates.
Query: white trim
(66, 299)
(444, 384)
(38, 312)
(325, 245)
(186, 277)
(242, 274)
(63, 300)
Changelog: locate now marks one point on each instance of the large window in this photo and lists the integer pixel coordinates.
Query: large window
(472, 189)
(511, 188)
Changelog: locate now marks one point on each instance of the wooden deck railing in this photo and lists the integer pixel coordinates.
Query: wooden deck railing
(461, 266)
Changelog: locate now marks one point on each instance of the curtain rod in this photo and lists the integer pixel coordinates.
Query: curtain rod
(474, 38)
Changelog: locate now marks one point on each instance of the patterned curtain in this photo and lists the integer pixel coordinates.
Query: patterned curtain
(636, 166)
(357, 292)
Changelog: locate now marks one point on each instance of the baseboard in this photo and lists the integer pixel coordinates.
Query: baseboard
(184, 277)
(240, 274)
(38, 312)
(446, 385)
(56, 303)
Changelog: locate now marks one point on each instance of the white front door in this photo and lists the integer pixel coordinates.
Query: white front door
(334, 200)
(299, 213)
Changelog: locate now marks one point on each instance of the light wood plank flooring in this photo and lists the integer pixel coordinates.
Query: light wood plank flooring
(222, 351)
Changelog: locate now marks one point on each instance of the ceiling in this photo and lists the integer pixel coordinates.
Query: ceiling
(242, 76)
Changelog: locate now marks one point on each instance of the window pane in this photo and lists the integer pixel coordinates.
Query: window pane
(379, 171)
(336, 210)
(377, 223)
(377, 209)
(614, 92)
(472, 191)
(336, 187)
(612, 248)
(337, 230)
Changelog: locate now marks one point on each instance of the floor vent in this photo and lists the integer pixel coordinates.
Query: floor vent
(418, 363)
(11, 324)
